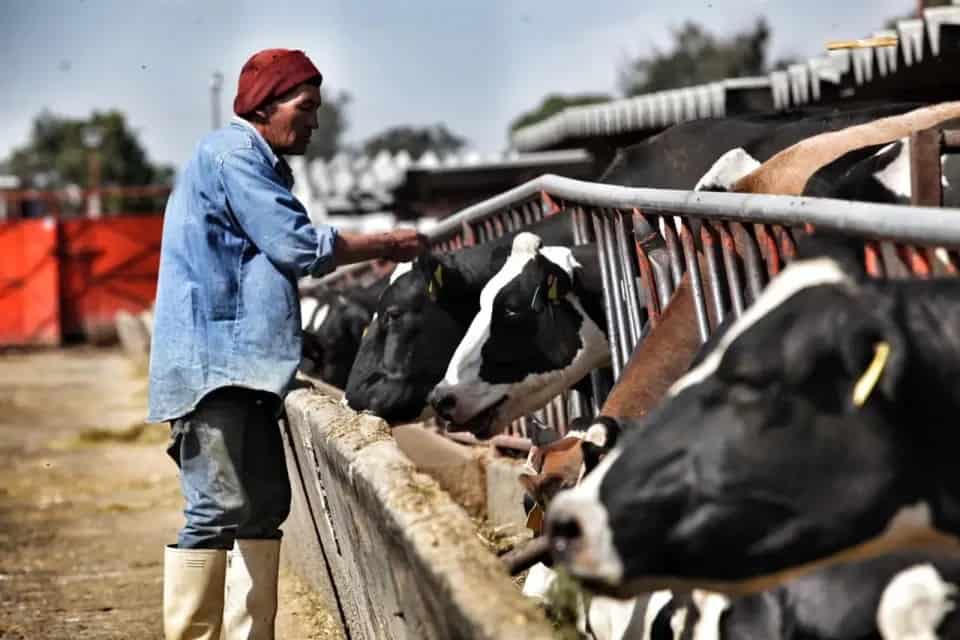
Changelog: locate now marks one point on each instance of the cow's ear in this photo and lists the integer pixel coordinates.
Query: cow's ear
(858, 342)
(556, 283)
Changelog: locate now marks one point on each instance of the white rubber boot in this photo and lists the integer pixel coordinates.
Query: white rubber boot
(193, 593)
(250, 606)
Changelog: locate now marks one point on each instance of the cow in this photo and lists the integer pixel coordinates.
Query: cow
(811, 428)
(898, 596)
(333, 323)
(539, 331)
(880, 173)
(421, 318)
(680, 156)
(789, 171)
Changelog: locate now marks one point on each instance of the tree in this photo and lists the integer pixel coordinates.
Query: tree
(58, 153)
(416, 140)
(698, 57)
(555, 103)
(332, 119)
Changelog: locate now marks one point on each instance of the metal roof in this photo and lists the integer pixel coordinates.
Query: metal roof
(799, 84)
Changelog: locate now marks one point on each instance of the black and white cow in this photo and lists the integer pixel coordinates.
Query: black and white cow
(421, 318)
(895, 597)
(819, 423)
(539, 331)
(880, 173)
(684, 154)
(333, 323)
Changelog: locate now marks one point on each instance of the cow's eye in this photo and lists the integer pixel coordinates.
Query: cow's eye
(513, 313)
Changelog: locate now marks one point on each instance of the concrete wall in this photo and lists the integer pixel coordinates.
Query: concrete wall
(401, 558)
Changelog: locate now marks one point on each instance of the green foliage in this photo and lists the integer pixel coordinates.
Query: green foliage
(555, 103)
(416, 140)
(60, 148)
(332, 118)
(697, 57)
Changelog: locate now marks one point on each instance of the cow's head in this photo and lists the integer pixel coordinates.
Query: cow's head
(333, 336)
(791, 441)
(531, 340)
(420, 319)
(560, 463)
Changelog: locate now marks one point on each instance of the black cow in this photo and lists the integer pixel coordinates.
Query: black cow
(421, 318)
(781, 447)
(539, 331)
(333, 325)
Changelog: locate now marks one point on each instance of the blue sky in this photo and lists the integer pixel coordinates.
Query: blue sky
(471, 65)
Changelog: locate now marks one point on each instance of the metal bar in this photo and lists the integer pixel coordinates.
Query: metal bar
(768, 249)
(642, 232)
(673, 247)
(729, 252)
(611, 254)
(613, 333)
(752, 262)
(660, 261)
(628, 271)
(560, 404)
(714, 275)
(873, 259)
(788, 248)
(919, 225)
(696, 284)
(915, 260)
(925, 170)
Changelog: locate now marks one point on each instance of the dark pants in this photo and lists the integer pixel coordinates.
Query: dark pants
(232, 469)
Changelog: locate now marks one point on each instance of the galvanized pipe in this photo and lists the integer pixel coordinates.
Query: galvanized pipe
(696, 284)
(610, 253)
(752, 263)
(613, 329)
(735, 285)
(628, 267)
(714, 275)
(673, 247)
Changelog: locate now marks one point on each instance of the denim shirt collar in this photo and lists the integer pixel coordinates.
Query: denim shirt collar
(278, 163)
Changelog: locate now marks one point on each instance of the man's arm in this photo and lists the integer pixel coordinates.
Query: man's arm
(399, 245)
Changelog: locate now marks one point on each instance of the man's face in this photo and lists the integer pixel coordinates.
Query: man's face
(290, 120)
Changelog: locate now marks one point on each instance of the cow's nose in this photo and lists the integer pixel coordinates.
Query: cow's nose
(564, 533)
(443, 403)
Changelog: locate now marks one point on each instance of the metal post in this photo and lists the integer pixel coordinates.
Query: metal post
(216, 84)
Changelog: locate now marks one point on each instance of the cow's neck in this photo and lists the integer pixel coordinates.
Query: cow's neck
(929, 392)
(588, 283)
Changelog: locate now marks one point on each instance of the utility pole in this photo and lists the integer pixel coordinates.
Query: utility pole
(216, 83)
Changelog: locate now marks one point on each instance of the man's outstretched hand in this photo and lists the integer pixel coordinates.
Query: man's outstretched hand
(406, 244)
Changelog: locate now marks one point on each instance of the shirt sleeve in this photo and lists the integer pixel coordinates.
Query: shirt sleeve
(272, 217)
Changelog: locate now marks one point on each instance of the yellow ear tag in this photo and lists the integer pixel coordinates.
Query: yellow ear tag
(438, 275)
(870, 377)
(365, 329)
(552, 294)
(432, 291)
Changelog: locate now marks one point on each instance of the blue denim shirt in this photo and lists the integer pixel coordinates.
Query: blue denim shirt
(235, 241)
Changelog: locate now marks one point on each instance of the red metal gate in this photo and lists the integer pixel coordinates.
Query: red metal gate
(29, 282)
(68, 278)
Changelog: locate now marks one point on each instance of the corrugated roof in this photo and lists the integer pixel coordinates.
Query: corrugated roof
(799, 84)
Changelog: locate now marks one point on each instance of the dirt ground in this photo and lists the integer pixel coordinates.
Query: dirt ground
(88, 499)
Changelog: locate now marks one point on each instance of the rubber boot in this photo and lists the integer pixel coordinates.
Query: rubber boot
(193, 593)
(250, 607)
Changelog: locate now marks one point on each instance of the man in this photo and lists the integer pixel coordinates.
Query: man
(227, 343)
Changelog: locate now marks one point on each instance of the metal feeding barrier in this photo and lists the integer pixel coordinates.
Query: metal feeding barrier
(731, 245)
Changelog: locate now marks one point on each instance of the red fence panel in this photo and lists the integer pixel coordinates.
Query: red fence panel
(107, 264)
(29, 283)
